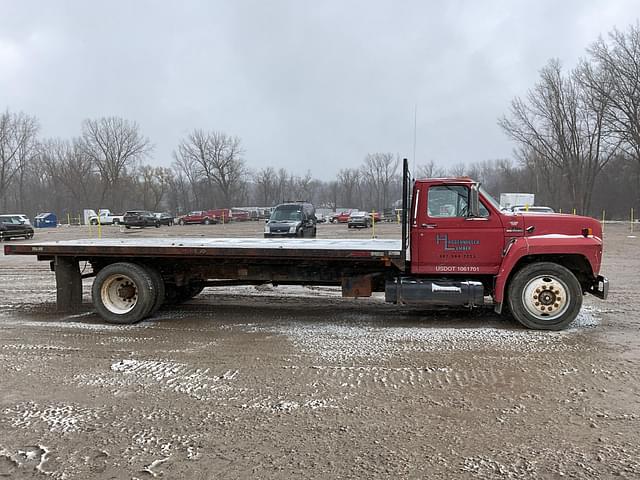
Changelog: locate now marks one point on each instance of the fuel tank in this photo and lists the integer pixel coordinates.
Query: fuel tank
(418, 291)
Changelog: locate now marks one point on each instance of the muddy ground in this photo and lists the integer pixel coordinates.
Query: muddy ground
(299, 383)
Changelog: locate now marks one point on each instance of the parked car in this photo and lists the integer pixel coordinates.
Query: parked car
(296, 219)
(343, 217)
(105, 217)
(224, 215)
(531, 209)
(23, 218)
(12, 226)
(140, 218)
(240, 215)
(359, 220)
(164, 218)
(205, 217)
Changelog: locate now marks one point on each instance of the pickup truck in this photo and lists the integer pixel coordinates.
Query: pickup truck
(205, 217)
(457, 248)
(105, 217)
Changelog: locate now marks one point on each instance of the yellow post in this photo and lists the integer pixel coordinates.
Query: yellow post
(574, 211)
(526, 207)
(603, 212)
(69, 219)
(631, 219)
(99, 227)
(222, 217)
(559, 210)
(373, 224)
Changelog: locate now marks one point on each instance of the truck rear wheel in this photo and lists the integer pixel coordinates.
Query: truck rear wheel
(158, 283)
(123, 293)
(545, 296)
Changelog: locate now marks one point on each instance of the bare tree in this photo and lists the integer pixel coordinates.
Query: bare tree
(67, 163)
(562, 124)
(17, 148)
(348, 185)
(429, 170)
(379, 171)
(266, 184)
(113, 144)
(614, 74)
(217, 160)
(152, 184)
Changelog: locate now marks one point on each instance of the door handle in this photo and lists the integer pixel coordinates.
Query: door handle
(428, 225)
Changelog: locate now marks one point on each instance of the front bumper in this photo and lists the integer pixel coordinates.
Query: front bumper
(279, 235)
(600, 287)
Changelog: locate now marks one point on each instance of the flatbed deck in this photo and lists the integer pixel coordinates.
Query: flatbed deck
(213, 247)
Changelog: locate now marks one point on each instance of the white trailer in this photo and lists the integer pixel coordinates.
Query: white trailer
(508, 200)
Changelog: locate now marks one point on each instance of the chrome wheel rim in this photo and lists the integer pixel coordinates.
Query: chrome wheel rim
(119, 294)
(545, 297)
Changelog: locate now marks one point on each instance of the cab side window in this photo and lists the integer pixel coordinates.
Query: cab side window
(446, 201)
(449, 201)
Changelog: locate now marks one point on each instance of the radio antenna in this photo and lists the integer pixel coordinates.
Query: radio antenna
(415, 130)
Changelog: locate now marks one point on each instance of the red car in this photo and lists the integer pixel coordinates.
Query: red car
(205, 217)
(240, 215)
(343, 217)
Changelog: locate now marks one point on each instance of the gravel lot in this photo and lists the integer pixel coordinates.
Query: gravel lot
(298, 383)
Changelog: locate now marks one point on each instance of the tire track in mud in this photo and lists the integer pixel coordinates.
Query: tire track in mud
(197, 383)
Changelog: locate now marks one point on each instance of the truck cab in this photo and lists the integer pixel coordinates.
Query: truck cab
(462, 246)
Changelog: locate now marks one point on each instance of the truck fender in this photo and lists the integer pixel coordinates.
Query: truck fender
(517, 249)
(589, 248)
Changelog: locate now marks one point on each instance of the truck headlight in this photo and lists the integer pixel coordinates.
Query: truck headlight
(266, 229)
(293, 229)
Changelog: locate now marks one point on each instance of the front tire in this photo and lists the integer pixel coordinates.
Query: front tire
(207, 221)
(123, 293)
(545, 296)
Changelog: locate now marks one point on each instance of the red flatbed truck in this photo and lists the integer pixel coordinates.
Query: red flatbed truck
(457, 248)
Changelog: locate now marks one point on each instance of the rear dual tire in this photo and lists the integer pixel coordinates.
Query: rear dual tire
(126, 293)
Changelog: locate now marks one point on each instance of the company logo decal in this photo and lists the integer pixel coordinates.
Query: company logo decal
(457, 245)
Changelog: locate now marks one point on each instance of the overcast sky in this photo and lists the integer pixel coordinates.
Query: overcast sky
(306, 85)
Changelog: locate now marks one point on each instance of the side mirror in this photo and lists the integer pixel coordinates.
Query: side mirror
(474, 202)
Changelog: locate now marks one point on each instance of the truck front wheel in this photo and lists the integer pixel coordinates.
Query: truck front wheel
(545, 296)
(123, 293)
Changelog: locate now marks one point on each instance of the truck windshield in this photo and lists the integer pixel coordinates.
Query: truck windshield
(287, 213)
(489, 198)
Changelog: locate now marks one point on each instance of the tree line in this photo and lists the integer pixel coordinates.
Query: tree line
(577, 137)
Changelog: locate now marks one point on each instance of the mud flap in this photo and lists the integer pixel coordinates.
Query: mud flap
(357, 286)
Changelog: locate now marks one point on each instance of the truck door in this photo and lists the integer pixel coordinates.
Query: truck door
(447, 240)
